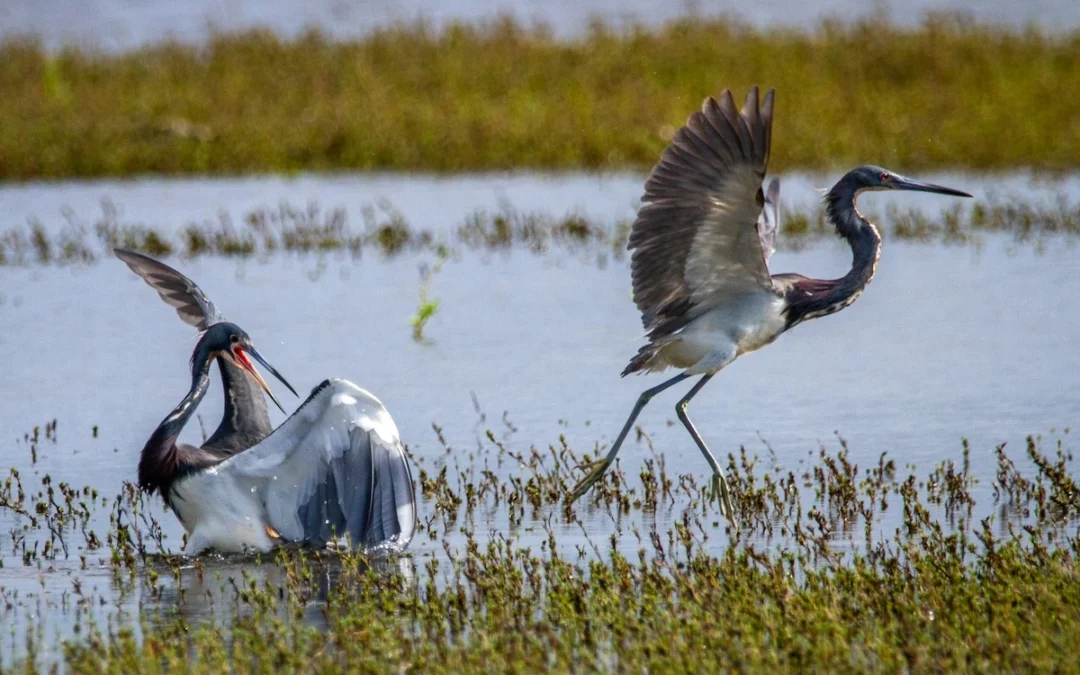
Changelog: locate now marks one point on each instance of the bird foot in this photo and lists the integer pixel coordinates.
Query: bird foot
(596, 470)
(719, 493)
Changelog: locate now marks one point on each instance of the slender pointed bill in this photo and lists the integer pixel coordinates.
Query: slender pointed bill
(241, 358)
(919, 186)
(259, 357)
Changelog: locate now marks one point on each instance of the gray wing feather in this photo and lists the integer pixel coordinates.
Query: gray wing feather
(320, 516)
(354, 472)
(174, 288)
(695, 239)
(393, 485)
(335, 468)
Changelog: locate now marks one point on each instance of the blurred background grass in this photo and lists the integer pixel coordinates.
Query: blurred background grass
(947, 94)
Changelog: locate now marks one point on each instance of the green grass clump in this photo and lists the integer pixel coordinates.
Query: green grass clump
(499, 96)
(428, 305)
(967, 578)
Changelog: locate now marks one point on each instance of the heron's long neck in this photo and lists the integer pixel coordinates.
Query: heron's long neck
(161, 460)
(246, 420)
(861, 235)
(813, 298)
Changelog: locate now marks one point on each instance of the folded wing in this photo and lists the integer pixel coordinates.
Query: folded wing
(336, 468)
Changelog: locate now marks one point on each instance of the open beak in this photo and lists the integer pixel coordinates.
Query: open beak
(239, 355)
(901, 183)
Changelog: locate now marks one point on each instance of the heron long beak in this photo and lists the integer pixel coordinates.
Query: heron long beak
(241, 359)
(901, 183)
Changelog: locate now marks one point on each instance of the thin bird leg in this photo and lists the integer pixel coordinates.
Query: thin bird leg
(597, 469)
(719, 485)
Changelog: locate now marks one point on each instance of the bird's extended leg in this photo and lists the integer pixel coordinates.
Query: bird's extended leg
(599, 467)
(719, 485)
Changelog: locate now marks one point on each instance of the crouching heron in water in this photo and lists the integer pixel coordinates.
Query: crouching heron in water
(701, 247)
(335, 468)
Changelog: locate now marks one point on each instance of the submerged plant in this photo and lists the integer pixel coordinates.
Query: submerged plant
(428, 304)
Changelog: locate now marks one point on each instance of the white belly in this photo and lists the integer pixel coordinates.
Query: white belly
(721, 335)
(217, 513)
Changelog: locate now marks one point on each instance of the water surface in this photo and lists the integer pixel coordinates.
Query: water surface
(947, 344)
(441, 203)
(123, 24)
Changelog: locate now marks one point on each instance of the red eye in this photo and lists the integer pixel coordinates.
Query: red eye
(884, 176)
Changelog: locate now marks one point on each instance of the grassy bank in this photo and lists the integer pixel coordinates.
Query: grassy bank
(499, 96)
(807, 581)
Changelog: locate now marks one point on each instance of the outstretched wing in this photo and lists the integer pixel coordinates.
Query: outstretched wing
(695, 240)
(174, 288)
(769, 222)
(335, 468)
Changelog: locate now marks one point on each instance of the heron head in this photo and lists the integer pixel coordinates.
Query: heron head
(230, 342)
(872, 177)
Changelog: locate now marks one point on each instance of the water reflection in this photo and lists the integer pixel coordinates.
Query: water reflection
(219, 588)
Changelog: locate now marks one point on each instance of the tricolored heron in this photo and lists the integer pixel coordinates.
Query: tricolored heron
(245, 420)
(335, 468)
(699, 268)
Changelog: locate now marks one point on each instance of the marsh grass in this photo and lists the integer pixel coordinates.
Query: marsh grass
(807, 580)
(312, 230)
(948, 93)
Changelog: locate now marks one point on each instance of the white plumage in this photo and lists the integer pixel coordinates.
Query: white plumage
(335, 469)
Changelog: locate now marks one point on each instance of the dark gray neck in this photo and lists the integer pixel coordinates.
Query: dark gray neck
(161, 461)
(813, 298)
(245, 421)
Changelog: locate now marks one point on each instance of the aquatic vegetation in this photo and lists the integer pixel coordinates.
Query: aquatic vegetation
(973, 577)
(311, 230)
(948, 93)
(428, 305)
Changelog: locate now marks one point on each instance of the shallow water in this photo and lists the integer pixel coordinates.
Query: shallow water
(441, 203)
(948, 343)
(122, 24)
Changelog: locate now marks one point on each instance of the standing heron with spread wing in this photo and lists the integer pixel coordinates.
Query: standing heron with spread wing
(699, 268)
(336, 468)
